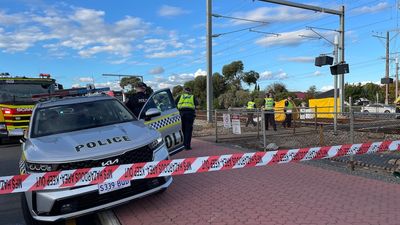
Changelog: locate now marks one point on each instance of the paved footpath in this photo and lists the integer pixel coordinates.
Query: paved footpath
(292, 193)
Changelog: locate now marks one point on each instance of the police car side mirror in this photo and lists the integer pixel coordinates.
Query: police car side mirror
(23, 138)
(152, 112)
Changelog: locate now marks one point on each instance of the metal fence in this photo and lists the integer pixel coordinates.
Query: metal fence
(309, 128)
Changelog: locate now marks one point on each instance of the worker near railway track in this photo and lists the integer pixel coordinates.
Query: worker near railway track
(136, 102)
(251, 106)
(397, 102)
(289, 106)
(269, 114)
(186, 105)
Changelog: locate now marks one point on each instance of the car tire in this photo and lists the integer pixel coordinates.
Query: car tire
(387, 111)
(29, 220)
(366, 111)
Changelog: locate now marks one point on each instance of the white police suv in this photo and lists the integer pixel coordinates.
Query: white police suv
(93, 131)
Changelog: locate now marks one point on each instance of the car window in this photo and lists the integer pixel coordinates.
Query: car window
(72, 117)
(160, 100)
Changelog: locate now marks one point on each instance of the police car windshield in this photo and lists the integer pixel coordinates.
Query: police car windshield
(73, 117)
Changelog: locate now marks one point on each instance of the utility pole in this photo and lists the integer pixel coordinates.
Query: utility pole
(342, 94)
(387, 68)
(397, 78)
(210, 95)
(387, 60)
(335, 83)
(339, 13)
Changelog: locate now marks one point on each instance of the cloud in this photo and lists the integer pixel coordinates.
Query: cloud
(200, 72)
(326, 88)
(300, 59)
(80, 29)
(273, 15)
(169, 54)
(292, 38)
(317, 73)
(160, 82)
(372, 9)
(269, 75)
(85, 79)
(169, 11)
(157, 70)
(112, 85)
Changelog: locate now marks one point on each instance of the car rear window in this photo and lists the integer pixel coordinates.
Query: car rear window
(73, 117)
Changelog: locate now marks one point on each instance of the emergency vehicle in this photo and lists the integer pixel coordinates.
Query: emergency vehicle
(16, 101)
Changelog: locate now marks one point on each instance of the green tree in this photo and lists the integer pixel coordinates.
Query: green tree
(251, 77)
(177, 90)
(276, 88)
(311, 92)
(233, 73)
(126, 81)
(219, 84)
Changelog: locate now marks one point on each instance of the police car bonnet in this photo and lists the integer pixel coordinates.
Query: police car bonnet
(98, 143)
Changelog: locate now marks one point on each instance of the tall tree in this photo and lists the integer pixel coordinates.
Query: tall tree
(276, 87)
(251, 77)
(219, 84)
(311, 92)
(126, 81)
(233, 73)
(177, 90)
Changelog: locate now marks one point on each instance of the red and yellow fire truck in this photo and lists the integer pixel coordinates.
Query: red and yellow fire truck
(16, 101)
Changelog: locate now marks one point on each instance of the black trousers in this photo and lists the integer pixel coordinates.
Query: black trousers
(250, 119)
(270, 119)
(187, 118)
(288, 120)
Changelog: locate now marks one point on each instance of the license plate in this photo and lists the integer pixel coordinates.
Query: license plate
(16, 132)
(112, 186)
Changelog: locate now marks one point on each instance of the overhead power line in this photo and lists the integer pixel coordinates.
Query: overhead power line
(235, 31)
(237, 18)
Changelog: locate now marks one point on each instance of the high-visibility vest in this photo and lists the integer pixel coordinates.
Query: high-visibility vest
(186, 101)
(251, 105)
(397, 100)
(289, 107)
(269, 103)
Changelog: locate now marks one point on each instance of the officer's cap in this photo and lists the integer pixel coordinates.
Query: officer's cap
(187, 89)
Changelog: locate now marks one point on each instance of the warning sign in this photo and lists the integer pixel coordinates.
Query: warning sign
(227, 120)
(236, 124)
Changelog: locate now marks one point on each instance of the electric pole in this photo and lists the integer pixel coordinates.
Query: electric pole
(397, 78)
(210, 95)
(342, 94)
(387, 68)
(387, 60)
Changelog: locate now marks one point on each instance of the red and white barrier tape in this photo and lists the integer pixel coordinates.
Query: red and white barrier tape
(97, 175)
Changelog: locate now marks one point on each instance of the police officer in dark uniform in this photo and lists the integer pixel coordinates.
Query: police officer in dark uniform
(136, 102)
(186, 105)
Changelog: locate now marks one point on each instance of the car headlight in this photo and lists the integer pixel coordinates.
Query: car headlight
(38, 167)
(156, 143)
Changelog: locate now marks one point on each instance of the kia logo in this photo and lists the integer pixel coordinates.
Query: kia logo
(110, 162)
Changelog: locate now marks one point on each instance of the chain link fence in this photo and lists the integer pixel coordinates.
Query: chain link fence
(308, 128)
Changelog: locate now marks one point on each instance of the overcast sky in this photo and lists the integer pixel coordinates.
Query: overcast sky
(164, 41)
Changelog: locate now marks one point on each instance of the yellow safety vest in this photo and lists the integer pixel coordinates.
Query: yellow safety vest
(186, 101)
(269, 103)
(397, 100)
(251, 105)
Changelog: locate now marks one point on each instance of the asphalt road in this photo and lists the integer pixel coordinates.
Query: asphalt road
(10, 207)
